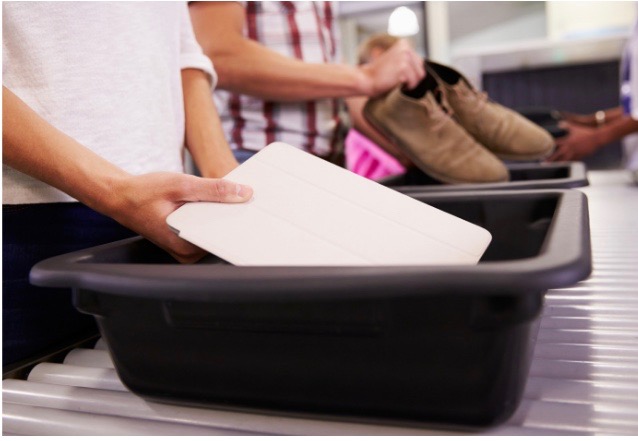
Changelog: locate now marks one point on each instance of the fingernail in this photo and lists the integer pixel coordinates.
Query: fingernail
(244, 191)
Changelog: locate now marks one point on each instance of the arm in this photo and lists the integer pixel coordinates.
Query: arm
(582, 141)
(355, 110)
(590, 119)
(204, 135)
(141, 203)
(247, 67)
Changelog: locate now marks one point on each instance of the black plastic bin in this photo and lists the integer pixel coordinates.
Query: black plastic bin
(524, 176)
(442, 344)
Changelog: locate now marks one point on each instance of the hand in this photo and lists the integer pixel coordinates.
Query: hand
(581, 141)
(146, 200)
(575, 118)
(141, 203)
(398, 65)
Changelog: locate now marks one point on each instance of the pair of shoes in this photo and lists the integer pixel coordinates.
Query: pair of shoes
(420, 122)
(505, 132)
(436, 144)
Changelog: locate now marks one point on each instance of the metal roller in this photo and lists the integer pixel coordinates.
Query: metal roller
(89, 358)
(97, 378)
(43, 421)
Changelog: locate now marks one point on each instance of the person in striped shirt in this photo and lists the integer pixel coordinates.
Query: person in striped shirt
(279, 72)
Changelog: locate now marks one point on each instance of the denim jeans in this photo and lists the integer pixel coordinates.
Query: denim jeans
(36, 319)
(243, 155)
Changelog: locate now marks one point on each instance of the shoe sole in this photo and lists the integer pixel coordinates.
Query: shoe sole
(536, 157)
(521, 158)
(445, 180)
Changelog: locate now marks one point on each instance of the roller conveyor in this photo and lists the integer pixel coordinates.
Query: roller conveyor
(583, 378)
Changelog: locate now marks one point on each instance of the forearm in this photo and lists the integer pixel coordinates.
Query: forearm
(204, 135)
(613, 114)
(36, 148)
(615, 130)
(248, 67)
(252, 69)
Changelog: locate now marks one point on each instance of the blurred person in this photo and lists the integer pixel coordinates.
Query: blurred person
(591, 132)
(587, 133)
(368, 152)
(280, 73)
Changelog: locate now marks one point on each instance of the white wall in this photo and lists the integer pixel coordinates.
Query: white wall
(485, 23)
(588, 18)
(516, 28)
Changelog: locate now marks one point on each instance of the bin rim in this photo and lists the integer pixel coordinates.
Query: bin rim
(564, 259)
(577, 177)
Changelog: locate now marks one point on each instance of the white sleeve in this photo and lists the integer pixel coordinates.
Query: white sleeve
(191, 54)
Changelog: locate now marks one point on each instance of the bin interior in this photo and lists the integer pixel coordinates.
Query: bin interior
(519, 173)
(518, 226)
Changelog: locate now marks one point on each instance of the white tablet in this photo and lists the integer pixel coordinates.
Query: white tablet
(306, 211)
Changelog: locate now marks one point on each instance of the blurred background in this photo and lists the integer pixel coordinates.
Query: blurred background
(524, 54)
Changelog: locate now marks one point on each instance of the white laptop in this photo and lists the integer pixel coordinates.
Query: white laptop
(306, 211)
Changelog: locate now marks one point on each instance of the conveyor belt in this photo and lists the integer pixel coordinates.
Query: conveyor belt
(583, 379)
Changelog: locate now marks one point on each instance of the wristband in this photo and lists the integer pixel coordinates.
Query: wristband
(600, 117)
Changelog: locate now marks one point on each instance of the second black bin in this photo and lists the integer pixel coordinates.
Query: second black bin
(523, 176)
(440, 344)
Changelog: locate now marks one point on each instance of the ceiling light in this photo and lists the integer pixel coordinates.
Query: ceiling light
(403, 22)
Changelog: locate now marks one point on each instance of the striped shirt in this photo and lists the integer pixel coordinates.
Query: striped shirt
(302, 30)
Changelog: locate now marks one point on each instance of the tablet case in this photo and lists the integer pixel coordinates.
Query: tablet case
(306, 211)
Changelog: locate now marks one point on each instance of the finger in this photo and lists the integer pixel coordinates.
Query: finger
(187, 253)
(181, 250)
(565, 155)
(556, 156)
(394, 51)
(418, 64)
(228, 191)
(412, 80)
(417, 68)
(402, 44)
(214, 190)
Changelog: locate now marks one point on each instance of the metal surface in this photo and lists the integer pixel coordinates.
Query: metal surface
(583, 379)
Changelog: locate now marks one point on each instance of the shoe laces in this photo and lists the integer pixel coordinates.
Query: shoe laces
(444, 110)
(441, 98)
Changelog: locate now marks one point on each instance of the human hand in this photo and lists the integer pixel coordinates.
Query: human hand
(398, 65)
(581, 141)
(141, 203)
(576, 118)
(145, 201)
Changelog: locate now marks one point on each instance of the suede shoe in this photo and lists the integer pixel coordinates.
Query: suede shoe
(436, 144)
(505, 132)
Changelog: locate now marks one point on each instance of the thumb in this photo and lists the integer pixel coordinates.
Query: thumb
(217, 190)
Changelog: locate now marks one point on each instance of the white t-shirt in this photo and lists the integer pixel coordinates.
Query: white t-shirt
(106, 74)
